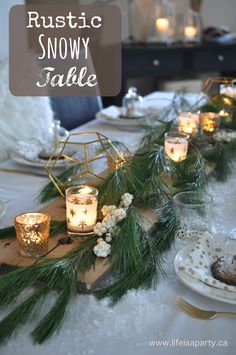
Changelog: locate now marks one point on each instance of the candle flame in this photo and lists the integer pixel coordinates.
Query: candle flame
(85, 190)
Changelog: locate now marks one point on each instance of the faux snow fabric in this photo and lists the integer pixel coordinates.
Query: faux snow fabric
(21, 118)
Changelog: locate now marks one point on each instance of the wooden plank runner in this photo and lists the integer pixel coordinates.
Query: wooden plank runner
(10, 255)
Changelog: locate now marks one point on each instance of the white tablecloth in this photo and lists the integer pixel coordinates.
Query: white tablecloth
(141, 317)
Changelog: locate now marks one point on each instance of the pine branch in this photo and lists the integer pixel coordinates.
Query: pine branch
(219, 156)
(123, 180)
(230, 148)
(153, 167)
(155, 134)
(191, 173)
(83, 257)
(8, 232)
(126, 246)
(164, 230)
(57, 227)
(150, 263)
(50, 191)
(13, 283)
(53, 320)
(151, 160)
(20, 315)
(210, 108)
(230, 121)
(143, 278)
(59, 274)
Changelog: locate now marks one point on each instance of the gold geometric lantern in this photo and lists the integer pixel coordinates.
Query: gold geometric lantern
(89, 155)
(221, 90)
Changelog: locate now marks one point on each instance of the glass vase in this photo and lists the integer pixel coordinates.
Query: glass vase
(193, 212)
(162, 22)
(191, 27)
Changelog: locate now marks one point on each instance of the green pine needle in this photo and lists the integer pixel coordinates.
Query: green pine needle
(13, 283)
(143, 278)
(60, 274)
(50, 191)
(20, 315)
(8, 232)
(156, 134)
(53, 320)
(159, 241)
(191, 173)
(126, 246)
(220, 157)
(123, 180)
(57, 227)
(153, 168)
(164, 230)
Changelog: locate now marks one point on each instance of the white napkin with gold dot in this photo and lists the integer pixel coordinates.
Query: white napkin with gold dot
(197, 263)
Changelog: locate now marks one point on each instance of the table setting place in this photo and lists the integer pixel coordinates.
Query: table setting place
(123, 236)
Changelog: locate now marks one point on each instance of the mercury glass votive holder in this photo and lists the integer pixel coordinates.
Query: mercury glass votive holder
(209, 122)
(32, 232)
(81, 210)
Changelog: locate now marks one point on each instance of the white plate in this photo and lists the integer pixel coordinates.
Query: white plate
(197, 285)
(127, 122)
(38, 163)
(130, 122)
(2, 208)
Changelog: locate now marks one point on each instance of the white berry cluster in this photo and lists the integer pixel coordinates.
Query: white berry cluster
(111, 216)
(102, 249)
(229, 91)
(224, 136)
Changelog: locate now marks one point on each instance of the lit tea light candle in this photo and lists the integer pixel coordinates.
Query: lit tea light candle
(81, 209)
(32, 232)
(209, 122)
(188, 123)
(162, 28)
(176, 146)
(190, 33)
(162, 24)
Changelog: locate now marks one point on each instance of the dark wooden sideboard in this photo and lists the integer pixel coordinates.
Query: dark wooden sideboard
(175, 61)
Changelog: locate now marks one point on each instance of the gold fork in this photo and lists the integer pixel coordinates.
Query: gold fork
(199, 313)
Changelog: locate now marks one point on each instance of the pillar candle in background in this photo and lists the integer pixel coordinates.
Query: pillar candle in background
(190, 32)
(81, 209)
(176, 146)
(188, 123)
(162, 23)
(192, 26)
(32, 231)
(162, 28)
